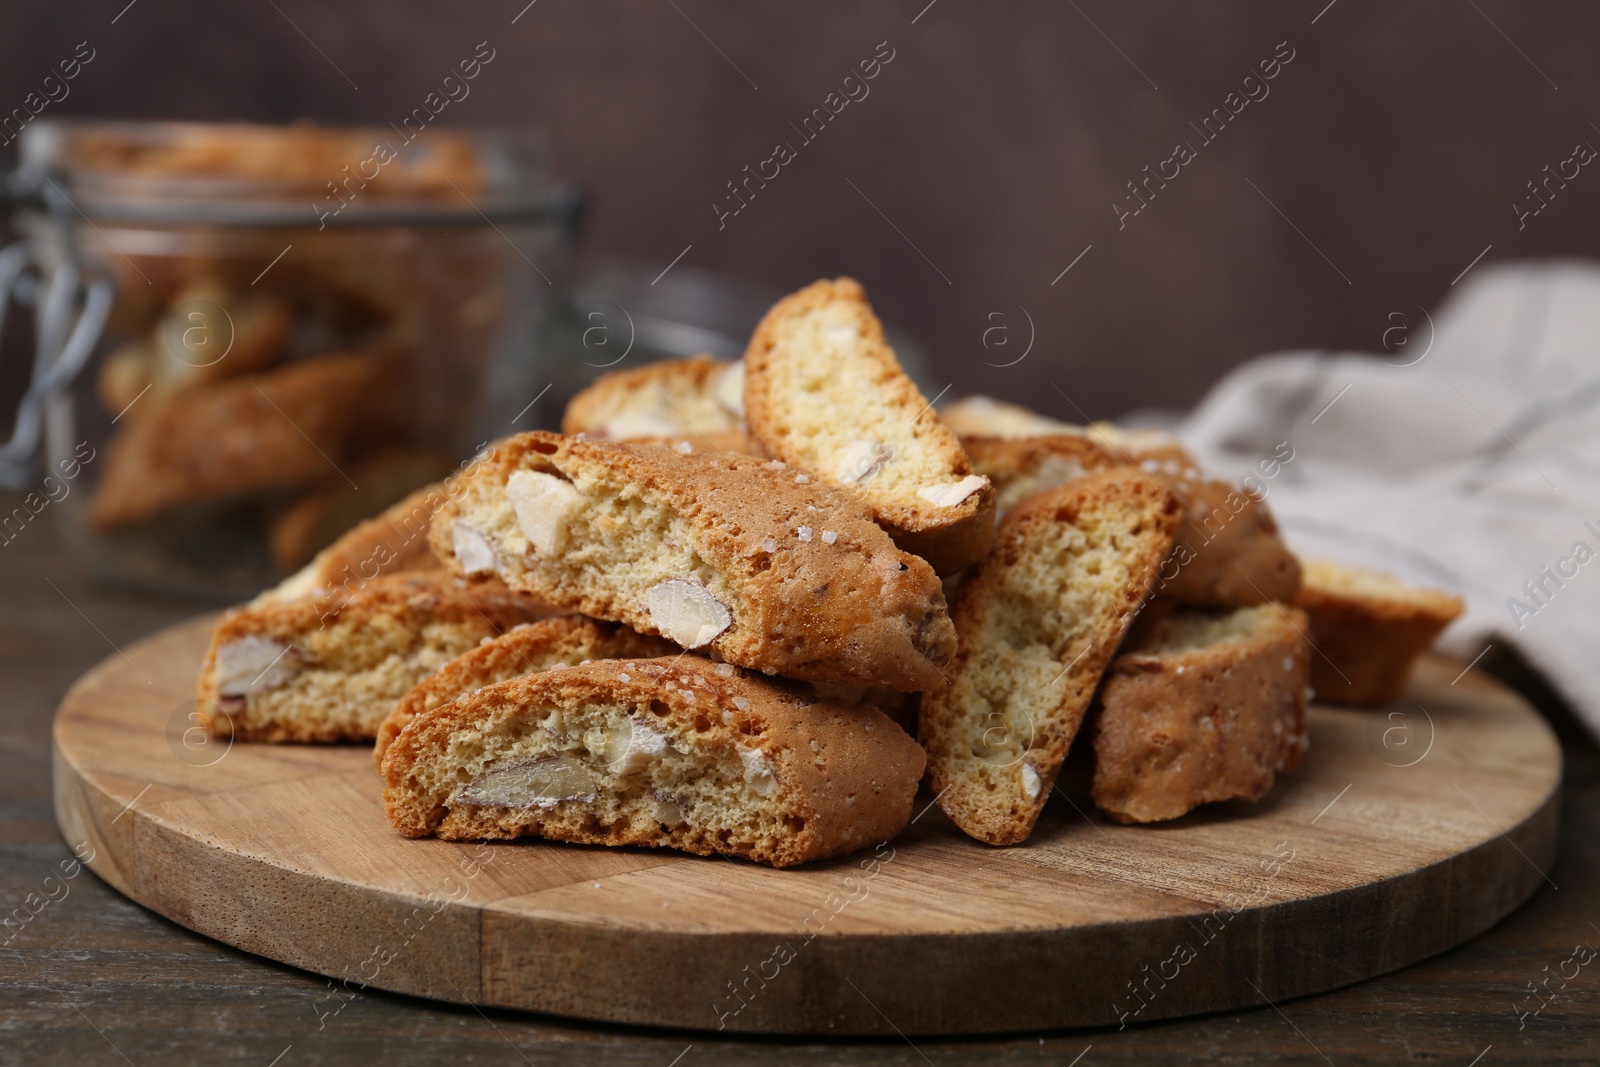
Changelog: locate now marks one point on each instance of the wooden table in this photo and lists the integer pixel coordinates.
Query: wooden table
(94, 979)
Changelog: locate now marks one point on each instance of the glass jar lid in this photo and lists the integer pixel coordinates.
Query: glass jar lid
(243, 174)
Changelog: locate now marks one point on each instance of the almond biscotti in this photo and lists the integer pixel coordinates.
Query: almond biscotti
(536, 646)
(1038, 621)
(982, 416)
(749, 559)
(1368, 629)
(1228, 552)
(329, 667)
(1201, 707)
(1019, 467)
(678, 753)
(671, 398)
(824, 393)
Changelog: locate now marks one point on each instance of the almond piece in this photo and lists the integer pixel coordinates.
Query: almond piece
(686, 612)
(543, 504)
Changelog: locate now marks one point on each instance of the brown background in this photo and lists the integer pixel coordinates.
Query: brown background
(996, 140)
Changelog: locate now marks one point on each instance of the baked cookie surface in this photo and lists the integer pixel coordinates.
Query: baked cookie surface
(825, 393)
(1201, 707)
(1038, 620)
(680, 753)
(752, 560)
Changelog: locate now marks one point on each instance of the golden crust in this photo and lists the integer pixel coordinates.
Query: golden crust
(1038, 621)
(1186, 723)
(344, 658)
(1368, 628)
(947, 536)
(845, 777)
(524, 649)
(814, 588)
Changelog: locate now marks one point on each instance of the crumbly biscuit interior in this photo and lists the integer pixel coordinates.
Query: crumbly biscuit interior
(611, 763)
(1193, 631)
(618, 544)
(341, 680)
(840, 408)
(1071, 583)
(1345, 580)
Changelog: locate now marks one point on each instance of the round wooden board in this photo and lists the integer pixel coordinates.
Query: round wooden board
(1405, 832)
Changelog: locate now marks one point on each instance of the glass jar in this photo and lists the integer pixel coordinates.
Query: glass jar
(250, 337)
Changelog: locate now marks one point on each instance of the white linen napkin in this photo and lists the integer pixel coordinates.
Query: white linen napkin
(1467, 457)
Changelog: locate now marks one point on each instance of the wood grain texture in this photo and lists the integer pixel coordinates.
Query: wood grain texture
(283, 851)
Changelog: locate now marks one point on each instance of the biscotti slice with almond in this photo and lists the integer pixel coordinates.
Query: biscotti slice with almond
(823, 392)
(699, 399)
(679, 753)
(1201, 707)
(536, 646)
(1038, 620)
(329, 667)
(752, 560)
(1368, 628)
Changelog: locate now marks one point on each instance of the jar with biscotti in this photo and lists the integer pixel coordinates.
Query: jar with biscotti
(247, 338)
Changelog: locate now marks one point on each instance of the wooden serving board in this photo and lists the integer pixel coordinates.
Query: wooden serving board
(1405, 832)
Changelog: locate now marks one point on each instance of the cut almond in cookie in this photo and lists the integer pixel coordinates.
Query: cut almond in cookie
(1038, 620)
(699, 400)
(1201, 707)
(658, 752)
(1368, 628)
(330, 666)
(824, 393)
(525, 649)
(750, 559)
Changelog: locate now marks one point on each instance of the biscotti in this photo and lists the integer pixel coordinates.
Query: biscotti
(824, 393)
(1228, 552)
(1038, 620)
(982, 416)
(671, 398)
(751, 560)
(278, 432)
(681, 753)
(537, 646)
(1019, 467)
(1368, 629)
(330, 667)
(1201, 707)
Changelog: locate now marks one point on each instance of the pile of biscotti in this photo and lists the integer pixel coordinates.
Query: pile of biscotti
(746, 608)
